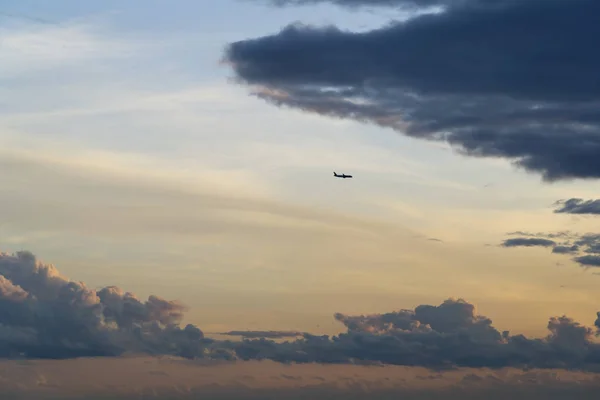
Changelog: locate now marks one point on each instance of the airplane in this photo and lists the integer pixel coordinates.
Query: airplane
(341, 176)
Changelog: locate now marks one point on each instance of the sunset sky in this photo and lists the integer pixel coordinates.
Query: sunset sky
(139, 150)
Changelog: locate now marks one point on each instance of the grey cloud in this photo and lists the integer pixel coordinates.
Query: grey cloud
(438, 337)
(450, 316)
(528, 242)
(126, 310)
(559, 249)
(568, 334)
(547, 235)
(264, 334)
(578, 206)
(365, 3)
(591, 241)
(406, 4)
(516, 81)
(586, 246)
(588, 261)
(44, 315)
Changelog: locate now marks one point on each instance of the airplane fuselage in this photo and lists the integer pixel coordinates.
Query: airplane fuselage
(343, 176)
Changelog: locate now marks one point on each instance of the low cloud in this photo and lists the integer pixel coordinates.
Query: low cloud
(578, 206)
(135, 378)
(264, 334)
(528, 242)
(440, 337)
(45, 315)
(485, 84)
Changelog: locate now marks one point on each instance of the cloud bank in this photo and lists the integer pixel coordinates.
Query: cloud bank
(509, 79)
(45, 315)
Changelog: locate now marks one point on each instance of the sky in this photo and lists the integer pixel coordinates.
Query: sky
(184, 152)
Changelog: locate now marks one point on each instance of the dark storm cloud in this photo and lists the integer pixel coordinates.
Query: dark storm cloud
(516, 81)
(528, 242)
(44, 315)
(578, 206)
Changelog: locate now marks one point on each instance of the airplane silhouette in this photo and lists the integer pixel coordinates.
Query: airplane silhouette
(341, 176)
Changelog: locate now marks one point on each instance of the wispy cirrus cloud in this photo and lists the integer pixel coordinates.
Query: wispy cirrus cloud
(132, 187)
(29, 48)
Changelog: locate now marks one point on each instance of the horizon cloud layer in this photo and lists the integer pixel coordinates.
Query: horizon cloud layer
(45, 315)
